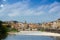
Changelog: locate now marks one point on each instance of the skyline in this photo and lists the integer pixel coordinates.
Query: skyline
(35, 11)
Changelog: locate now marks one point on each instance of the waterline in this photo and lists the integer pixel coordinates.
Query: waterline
(39, 33)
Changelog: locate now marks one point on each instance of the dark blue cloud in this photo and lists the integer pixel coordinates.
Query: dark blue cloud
(1, 1)
(34, 3)
(13, 1)
(58, 0)
(42, 2)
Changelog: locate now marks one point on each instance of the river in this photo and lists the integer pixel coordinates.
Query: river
(30, 37)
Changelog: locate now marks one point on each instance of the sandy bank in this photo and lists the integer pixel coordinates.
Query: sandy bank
(39, 33)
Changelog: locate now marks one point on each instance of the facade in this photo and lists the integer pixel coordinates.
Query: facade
(34, 27)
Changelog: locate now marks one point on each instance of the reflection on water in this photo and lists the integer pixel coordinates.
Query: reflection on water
(28, 37)
(57, 38)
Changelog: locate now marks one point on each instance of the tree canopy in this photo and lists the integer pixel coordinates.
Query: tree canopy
(3, 31)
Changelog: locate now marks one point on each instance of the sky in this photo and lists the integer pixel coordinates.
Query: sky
(32, 11)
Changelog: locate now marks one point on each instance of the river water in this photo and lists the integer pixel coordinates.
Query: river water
(30, 37)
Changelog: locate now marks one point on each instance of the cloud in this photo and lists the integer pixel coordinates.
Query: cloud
(55, 8)
(4, 0)
(18, 9)
(13, 14)
(23, 9)
(1, 5)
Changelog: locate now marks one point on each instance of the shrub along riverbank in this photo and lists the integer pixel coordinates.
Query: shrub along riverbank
(3, 31)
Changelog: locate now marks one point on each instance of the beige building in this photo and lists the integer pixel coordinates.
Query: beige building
(34, 27)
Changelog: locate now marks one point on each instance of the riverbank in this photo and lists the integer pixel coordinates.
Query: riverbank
(39, 33)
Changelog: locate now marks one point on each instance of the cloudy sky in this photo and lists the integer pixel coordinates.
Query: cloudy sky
(35, 11)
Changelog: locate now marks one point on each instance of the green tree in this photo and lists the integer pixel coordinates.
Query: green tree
(3, 31)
